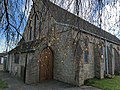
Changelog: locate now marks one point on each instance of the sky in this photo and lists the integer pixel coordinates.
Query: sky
(17, 18)
(107, 21)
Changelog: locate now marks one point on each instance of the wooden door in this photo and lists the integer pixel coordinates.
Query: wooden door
(46, 64)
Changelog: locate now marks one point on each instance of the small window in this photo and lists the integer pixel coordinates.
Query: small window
(86, 55)
(30, 33)
(16, 58)
(101, 53)
(0, 60)
(30, 30)
(111, 47)
(101, 50)
(86, 51)
(35, 26)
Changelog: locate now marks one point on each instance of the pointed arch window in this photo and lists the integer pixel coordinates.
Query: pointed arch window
(16, 59)
(30, 33)
(86, 50)
(30, 30)
(86, 55)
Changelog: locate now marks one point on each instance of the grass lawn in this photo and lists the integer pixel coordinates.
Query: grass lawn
(105, 84)
(3, 84)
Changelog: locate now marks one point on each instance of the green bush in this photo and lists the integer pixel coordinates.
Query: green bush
(3, 84)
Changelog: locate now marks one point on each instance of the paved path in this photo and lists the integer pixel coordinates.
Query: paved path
(16, 84)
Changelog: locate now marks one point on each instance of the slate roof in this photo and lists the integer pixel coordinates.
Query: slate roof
(65, 17)
(27, 46)
(2, 54)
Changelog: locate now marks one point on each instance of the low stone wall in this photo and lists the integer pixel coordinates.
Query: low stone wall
(1, 67)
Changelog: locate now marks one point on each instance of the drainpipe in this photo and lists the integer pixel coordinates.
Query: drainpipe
(106, 57)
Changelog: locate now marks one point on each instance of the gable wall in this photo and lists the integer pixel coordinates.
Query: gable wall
(40, 23)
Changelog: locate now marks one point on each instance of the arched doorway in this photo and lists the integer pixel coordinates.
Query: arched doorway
(46, 64)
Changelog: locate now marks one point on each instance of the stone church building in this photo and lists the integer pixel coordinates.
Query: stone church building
(58, 45)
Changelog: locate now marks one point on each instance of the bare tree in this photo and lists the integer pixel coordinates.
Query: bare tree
(14, 14)
(13, 17)
(102, 13)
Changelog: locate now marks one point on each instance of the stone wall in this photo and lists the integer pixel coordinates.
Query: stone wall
(10, 60)
(32, 68)
(1, 67)
(64, 64)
